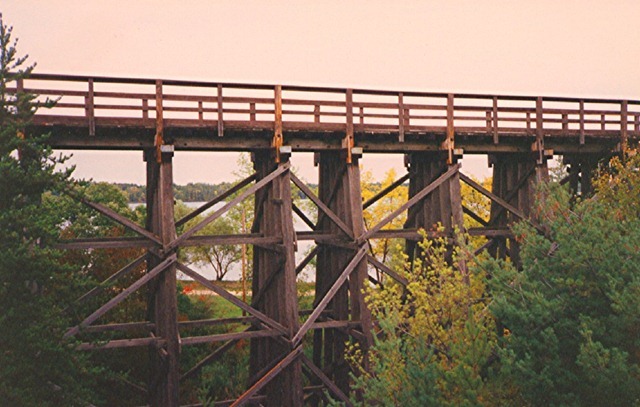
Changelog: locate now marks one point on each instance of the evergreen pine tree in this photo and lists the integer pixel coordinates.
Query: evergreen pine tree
(36, 367)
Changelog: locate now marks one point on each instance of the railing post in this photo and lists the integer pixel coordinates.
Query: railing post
(581, 122)
(623, 126)
(349, 141)
(252, 112)
(145, 109)
(495, 120)
(449, 141)
(220, 112)
(159, 122)
(316, 114)
(539, 143)
(400, 118)
(277, 129)
(89, 109)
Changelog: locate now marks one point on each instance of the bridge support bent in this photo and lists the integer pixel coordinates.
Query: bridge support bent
(162, 308)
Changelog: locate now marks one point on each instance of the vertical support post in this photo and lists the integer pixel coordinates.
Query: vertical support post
(274, 274)
(514, 178)
(163, 311)
(339, 189)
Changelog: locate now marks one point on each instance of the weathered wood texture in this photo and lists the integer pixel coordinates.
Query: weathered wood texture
(274, 275)
(122, 114)
(163, 311)
(439, 207)
(514, 180)
(339, 190)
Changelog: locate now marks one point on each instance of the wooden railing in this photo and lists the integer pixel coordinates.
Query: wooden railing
(102, 101)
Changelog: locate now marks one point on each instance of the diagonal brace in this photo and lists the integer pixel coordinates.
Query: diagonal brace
(324, 208)
(217, 199)
(282, 168)
(231, 298)
(121, 296)
(280, 366)
(329, 296)
(416, 198)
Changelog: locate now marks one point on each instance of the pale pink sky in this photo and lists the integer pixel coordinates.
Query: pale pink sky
(577, 48)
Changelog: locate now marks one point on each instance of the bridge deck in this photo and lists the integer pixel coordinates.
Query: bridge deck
(117, 113)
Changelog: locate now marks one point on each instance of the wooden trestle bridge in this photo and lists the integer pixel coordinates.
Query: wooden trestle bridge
(433, 131)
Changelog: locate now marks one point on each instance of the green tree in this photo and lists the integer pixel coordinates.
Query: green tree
(436, 338)
(36, 367)
(571, 314)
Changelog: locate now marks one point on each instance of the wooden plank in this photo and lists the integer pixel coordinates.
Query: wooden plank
(303, 217)
(326, 381)
(280, 366)
(416, 198)
(624, 135)
(385, 191)
(121, 327)
(90, 111)
(383, 267)
(120, 273)
(159, 140)
(324, 208)
(115, 216)
(217, 199)
(474, 216)
(211, 358)
(582, 131)
(122, 295)
(196, 340)
(231, 298)
(400, 118)
(220, 111)
(349, 141)
(328, 296)
(307, 259)
(121, 343)
(493, 197)
(280, 170)
(496, 140)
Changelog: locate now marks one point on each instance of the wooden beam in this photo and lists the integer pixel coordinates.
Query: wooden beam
(231, 298)
(324, 208)
(383, 267)
(122, 295)
(325, 380)
(280, 170)
(217, 199)
(416, 198)
(112, 278)
(385, 191)
(280, 366)
(328, 296)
